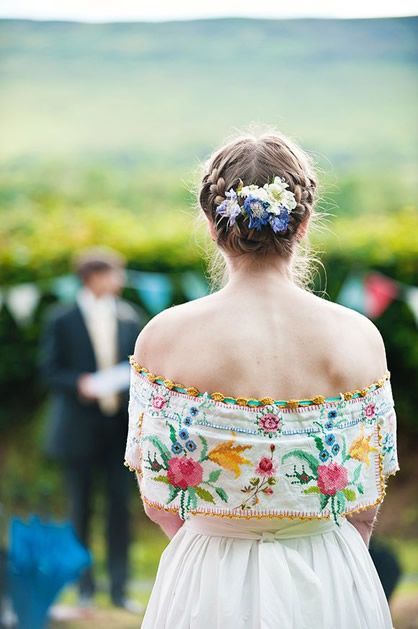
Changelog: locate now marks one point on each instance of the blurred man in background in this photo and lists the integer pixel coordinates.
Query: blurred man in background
(85, 432)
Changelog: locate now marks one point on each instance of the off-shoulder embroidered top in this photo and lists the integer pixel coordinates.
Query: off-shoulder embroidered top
(209, 453)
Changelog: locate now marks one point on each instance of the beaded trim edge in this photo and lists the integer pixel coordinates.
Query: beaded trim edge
(253, 402)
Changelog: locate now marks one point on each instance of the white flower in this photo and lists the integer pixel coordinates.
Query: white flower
(255, 191)
(288, 200)
(279, 195)
(276, 188)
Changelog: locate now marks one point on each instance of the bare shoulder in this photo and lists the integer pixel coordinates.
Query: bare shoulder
(358, 331)
(170, 329)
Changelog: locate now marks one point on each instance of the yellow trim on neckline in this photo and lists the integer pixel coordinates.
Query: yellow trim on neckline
(253, 402)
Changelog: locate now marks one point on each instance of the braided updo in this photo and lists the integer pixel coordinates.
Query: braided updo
(257, 160)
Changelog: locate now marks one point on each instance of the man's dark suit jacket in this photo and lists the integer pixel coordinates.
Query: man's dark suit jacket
(74, 427)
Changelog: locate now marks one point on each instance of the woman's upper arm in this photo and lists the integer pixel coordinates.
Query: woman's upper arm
(366, 516)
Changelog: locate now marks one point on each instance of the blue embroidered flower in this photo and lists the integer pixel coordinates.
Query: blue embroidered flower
(176, 447)
(329, 439)
(329, 425)
(183, 433)
(332, 414)
(324, 455)
(190, 445)
(194, 411)
(335, 448)
(187, 421)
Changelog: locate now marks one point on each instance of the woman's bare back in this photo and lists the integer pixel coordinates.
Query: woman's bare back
(263, 339)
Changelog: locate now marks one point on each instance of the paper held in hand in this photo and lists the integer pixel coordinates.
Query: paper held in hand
(111, 380)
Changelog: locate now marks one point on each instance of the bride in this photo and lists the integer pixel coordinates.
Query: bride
(262, 424)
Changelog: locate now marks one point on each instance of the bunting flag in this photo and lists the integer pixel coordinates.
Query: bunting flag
(65, 287)
(22, 301)
(411, 298)
(380, 291)
(352, 294)
(154, 289)
(193, 285)
(370, 293)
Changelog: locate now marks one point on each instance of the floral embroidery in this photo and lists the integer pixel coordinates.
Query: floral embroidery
(262, 483)
(187, 476)
(332, 482)
(360, 448)
(189, 465)
(269, 422)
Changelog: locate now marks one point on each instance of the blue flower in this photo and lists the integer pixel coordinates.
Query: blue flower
(194, 411)
(332, 414)
(190, 445)
(329, 425)
(183, 433)
(176, 447)
(324, 455)
(280, 223)
(229, 207)
(256, 210)
(187, 421)
(335, 448)
(329, 439)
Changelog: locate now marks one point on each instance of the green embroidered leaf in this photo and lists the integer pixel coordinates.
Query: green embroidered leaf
(173, 436)
(356, 474)
(161, 479)
(344, 449)
(163, 450)
(174, 491)
(324, 500)
(254, 481)
(214, 475)
(319, 443)
(304, 456)
(350, 494)
(360, 489)
(204, 494)
(192, 498)
(203, 454)
(340, 502)
(312, 490)
(222, 494)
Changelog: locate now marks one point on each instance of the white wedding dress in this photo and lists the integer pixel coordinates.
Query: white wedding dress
(263, 487)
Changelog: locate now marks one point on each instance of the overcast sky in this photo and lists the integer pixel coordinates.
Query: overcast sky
(121, 10)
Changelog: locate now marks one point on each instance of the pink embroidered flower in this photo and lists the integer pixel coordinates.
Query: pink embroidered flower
(270, 422)
(265, 467)
(267, 490)
(369, 410)
(184, 472)
(158, 402)
(332, 478)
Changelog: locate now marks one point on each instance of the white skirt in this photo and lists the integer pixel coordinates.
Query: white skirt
(218, 573)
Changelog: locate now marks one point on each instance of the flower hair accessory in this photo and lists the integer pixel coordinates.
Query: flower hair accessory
(270, 204)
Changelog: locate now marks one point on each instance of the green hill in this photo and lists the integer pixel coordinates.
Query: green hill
(170, 91)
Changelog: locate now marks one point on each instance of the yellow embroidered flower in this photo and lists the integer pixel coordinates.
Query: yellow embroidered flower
(360, 448)
(228, 455)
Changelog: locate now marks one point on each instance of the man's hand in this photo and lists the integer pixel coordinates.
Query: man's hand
(84, 388)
